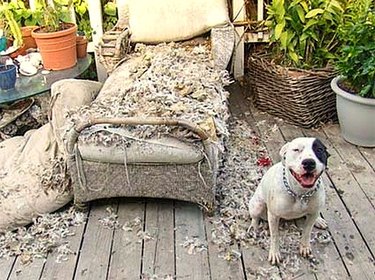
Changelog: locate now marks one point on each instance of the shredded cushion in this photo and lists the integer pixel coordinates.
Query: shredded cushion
(156, 21)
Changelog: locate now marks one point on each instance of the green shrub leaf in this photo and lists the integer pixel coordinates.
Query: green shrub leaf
(284, 39)
(314, 12)
(310, 23)
(278, 29)
(301, 13)
(294, 56)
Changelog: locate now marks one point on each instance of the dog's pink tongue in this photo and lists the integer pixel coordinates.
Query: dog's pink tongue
(307, 180)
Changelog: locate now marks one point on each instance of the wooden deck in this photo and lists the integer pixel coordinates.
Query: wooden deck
(102, 253)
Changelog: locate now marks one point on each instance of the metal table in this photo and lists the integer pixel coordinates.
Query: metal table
(39, 83)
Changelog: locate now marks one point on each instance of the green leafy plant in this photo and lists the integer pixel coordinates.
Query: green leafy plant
(110, 15)
(356, 61)
(9, 25)
(52, 16)
(22, 14)
(304, 32)
(82, 17)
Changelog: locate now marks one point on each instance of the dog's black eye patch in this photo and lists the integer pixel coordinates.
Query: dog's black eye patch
(320, 151)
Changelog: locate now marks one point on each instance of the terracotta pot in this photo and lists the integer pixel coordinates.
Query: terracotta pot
(20, 51)
(58, 49)
(81, 46)
(28, 40)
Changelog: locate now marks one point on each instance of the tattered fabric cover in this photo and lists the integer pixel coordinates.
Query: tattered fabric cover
(33, 178)
(156, 21)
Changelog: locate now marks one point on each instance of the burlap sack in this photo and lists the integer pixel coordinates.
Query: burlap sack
(33, 178)
(156, 21)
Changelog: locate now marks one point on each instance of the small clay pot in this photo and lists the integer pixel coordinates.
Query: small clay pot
(20, 51)
(81, 45)
(28, 40)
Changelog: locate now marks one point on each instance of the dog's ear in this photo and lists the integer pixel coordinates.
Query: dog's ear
(283, 152)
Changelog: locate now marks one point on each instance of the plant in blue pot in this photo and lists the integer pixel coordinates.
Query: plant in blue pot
(3, 41)
(9, 29)
(8, 76)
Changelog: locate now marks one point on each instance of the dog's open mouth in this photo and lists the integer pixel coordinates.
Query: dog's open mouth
(306, 180)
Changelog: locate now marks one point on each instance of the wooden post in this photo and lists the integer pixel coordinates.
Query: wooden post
(239, 14)
(32, 4)
(96, 23)
(260, 17)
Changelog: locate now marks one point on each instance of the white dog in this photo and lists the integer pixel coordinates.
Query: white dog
(292, 189)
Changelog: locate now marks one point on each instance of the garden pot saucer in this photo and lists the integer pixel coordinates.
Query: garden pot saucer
(31, 71)
(27, 74)
(13, 111)
(9, 51)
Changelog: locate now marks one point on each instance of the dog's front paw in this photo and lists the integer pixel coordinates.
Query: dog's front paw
(321, 223)
(305, 251)
(274, 257)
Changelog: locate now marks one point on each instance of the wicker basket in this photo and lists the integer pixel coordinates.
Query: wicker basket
(301, 97)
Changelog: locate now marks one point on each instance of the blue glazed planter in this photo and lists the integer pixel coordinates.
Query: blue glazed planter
(8, 75)
(3, 43)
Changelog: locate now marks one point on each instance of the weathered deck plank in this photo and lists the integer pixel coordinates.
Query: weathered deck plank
(126, 260)
(189, 226)
(54, 270)
(96, 247)
(354, 161)
(347, 236)
(359, 192)
(30, 271)
(369, 155)
(222, 269)
(158, 253)
(6, 266)
(256, 261)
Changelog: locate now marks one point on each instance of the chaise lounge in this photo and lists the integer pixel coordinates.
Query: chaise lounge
(157, 128)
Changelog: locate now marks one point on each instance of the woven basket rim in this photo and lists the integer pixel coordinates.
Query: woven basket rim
(303, 98)
(268, 62)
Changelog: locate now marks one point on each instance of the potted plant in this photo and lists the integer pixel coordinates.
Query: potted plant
(8, 75)
(10, 29)
(25, 18)
(355, 87)
(56, 38)
(292, 79)
(81, 45)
